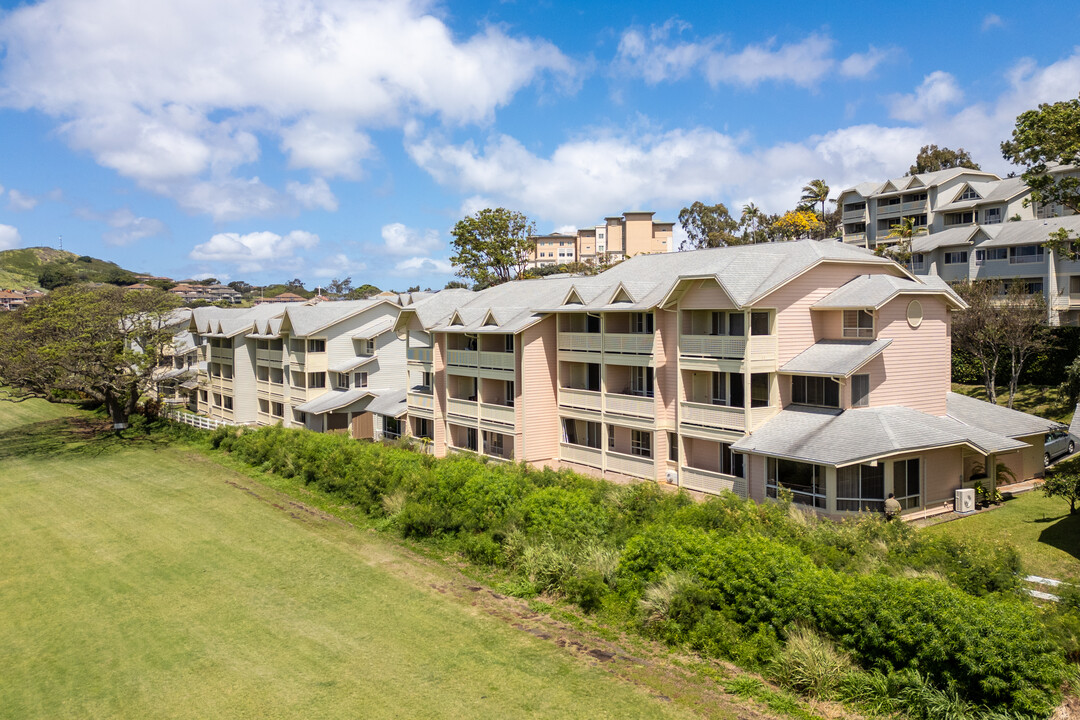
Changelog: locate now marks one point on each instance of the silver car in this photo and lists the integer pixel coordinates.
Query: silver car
(1058, 442)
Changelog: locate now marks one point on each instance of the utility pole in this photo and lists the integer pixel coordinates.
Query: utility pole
(61, 243)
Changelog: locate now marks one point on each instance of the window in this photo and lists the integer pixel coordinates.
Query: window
(855, 206)
(425, 380)
(217, 399)
(508, 343)
(918, 261)
(731, 463)
(673, 447)
(957, 257)
(581, 432)
(317, 380)
(1074, 285)
(723, 323)
(641, 443)
(718, 388)
(301, 417)
(493, 443)
(861, 487)
(1042, 212)
(296, 346)
(860, 390)
(264, 406)
(969, 194)
(641, 323)
(819, 391)
(423, 428)
(316, 346)
(360, 379)
(982, 256)
(858, 324)
(759, 323)
(759, 390)
(277, 409)
(366, 346)
(1032, 286)
(641, 381)
(992, 216)
(342, 382)
(470, 439)
(960, 218)
(202, 396)
(227, 402)
(610, 437)
(907, 476)
(509, 388)
(1026, 254)
(805, 481)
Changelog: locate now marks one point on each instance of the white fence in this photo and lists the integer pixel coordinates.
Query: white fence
(198, 421)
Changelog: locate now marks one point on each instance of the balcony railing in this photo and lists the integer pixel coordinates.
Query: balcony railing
(712, 416)
(763, 347)
(917, 206)
(632, 465)
(584, 399)
(580, 342)
(297, 357)
(889, 209)
(629, 343)
(463, 408)
(725, 346)
(421, 400)
(708, 481)
(854, 215)
(461, 358)
(593, 457)
(221, 354)
(635, 405)
(498, 413)
(420, 354)
(273, 356)
(497, 360)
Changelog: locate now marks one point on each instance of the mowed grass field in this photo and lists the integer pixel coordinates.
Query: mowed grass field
(146, 581)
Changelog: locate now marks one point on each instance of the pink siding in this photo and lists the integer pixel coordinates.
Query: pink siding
(915, 370)
(1026, 463)
(754, 466)
(438, 370)
(795, 324)
(708, 295)
(943, 472)
(666, 358)
(539, 379)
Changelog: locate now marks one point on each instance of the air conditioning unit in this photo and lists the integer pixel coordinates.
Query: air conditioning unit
(673, 476)
(965, 501)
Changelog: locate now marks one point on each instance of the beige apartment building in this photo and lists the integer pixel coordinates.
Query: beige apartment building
(816, 367)
(633, 233)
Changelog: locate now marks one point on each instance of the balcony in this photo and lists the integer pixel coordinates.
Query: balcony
(581, 454)
(888, 210)
(633, 405)
(580, 342)
(502, 414)
(855, 238)
(272, 391)
(583, 399)
(421, 401)
(917, 206)
(713, 417)
(461, 358)
(629, 343)
(298, 396)
(221, 354)
(713, 346)
(714, 483)
(854, 215)
(297, 358)
(461, 408)
(272, 357)
(497, 360)
(632, 465)
(420, 355)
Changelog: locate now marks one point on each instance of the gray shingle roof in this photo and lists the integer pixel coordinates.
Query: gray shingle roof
(873, 291)
(374, 328)
(389, 402)
(835, 358)
(994, 418)
(832, 437)
(232, 321)
(334, 400)
(307, 319)
(1029, 232)
(351, 364)
(963, 235)
(931, 179)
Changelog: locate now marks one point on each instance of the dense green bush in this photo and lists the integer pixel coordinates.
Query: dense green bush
(927, 621)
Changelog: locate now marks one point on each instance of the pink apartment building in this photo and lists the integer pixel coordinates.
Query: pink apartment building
(811, 366)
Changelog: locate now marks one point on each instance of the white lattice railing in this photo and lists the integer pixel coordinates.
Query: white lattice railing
(593, 457)
(585, 399)
(630, 405)
(631, 465)
(713, 416)
(589, 342)
(713, 345)
(708, 481)
(198, 421)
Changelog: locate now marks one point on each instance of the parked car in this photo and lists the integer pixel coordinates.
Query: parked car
(1058, 442)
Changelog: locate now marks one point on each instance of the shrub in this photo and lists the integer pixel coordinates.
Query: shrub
(810, 664)
(587, 590)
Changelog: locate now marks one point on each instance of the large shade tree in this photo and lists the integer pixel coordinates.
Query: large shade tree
(492, 246)
(98, 342)
(931, 158)
(708, 226)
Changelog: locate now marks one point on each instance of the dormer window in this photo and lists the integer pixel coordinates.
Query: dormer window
(969, 194)
(858, 324)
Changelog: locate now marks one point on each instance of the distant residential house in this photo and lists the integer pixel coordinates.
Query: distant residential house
(139, 286)
(208, 293)
(285, 297)
(11, 299)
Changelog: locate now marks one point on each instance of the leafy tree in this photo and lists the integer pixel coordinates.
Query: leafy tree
(295, 284)
(241, 287)
(1064, 482)
(54, 276)
(1023, 326)
(102, 342)
(363, 292)
(796, 224)
(455, 284)
(814, 192)
(708, 226)
(1042, 139)
(978, 329)
(931, 158)
(492, 246)
(753, 222)
(339, 287)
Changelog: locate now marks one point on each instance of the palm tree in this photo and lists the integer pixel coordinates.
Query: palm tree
(751, 217)
(905, 231)
(814, 192)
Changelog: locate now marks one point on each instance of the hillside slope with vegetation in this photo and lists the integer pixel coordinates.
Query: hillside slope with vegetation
(46, 268)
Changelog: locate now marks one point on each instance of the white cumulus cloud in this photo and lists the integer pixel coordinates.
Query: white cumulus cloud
(401, 240)
(254, 251)
(9, 237)
(176, 94)
(423, 265)
(338, 265)
(127, 227)
(316, 194)
(938, 92)
(19, 201)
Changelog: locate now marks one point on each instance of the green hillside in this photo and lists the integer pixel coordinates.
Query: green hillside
(25, 267)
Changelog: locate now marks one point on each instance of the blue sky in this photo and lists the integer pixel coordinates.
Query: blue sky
(328, 138)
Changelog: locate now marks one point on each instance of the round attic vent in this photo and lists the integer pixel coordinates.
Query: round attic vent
(914, 313)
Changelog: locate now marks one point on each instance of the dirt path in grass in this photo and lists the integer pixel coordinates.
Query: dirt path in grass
(688, 681)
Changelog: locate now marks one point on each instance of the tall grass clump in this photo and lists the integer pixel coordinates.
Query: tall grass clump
(869, 612)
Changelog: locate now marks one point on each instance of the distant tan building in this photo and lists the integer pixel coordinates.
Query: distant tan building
(620, 237)
(10, 299)
(285, 297)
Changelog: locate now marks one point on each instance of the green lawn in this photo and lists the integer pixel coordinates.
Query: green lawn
(148, 581)
(1035, 399)
(1044, 533)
